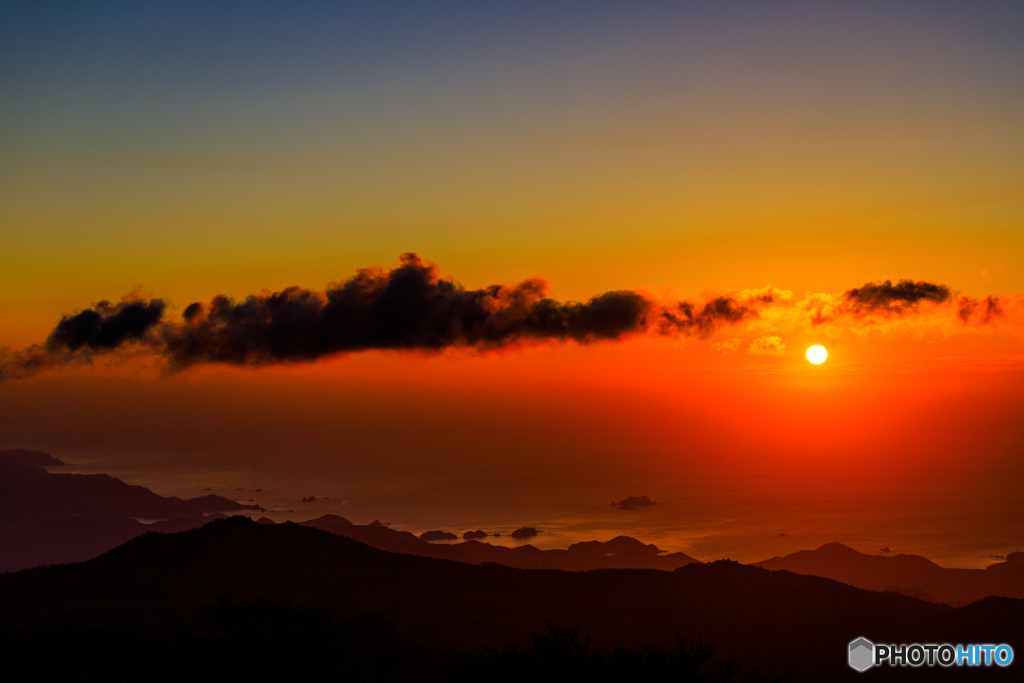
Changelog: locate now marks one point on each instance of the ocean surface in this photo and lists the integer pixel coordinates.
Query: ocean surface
(707, 526)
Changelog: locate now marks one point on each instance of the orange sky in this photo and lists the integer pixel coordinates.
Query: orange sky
(680, 152)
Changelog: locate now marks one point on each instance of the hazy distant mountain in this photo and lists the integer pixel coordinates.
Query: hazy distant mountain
(616, 546)
(909, 574)
(130, 606)
(24, 457)
(48, 518)
(28, 493)
(58, 541)
(621, 552)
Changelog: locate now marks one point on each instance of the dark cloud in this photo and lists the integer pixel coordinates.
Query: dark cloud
(877, 298)
(982, 311)
(24, 364)
(106, 326)
(192, 311)
(410, 307)
(102, 328)
(887, 296)
(687, 318)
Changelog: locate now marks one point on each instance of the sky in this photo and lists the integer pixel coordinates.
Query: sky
(785, 160)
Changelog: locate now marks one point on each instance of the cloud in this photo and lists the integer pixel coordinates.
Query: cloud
(767, 346)
(877, 302)
(412, 307)
(106, 326)
(25, 363)
(102, 328)
(690, 319)
(727, 346)
(895, 297)
(980, 312)
(987, 273)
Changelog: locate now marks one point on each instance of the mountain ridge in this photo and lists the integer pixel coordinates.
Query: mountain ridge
(912, 574)
(624, 552)
(750, 613)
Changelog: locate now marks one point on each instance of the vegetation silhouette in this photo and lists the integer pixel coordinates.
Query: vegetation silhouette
(566, 655)
(273, 641)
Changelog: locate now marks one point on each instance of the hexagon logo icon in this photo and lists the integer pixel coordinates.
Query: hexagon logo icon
(862, 654)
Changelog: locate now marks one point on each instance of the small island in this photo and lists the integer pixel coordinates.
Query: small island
(525, 532)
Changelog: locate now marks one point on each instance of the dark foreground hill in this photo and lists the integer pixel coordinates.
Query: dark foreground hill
(909, 574)
(245, 599)
(76, 539)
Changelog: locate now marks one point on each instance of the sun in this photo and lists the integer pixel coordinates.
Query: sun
(817, 354)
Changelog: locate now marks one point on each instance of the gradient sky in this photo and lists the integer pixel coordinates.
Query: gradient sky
(182, 151)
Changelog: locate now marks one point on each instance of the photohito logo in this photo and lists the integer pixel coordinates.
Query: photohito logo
(863, 654)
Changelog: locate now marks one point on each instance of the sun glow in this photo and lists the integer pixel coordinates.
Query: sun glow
(817, 354)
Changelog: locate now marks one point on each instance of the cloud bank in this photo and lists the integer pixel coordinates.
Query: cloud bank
(413, 308)
(410, 307)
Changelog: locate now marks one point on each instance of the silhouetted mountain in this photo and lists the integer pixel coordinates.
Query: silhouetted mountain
(32, 458)
(912, 592)
(530, 557)
(137, 599)
(331, 522)
(616, 546)
(76, 539)
(48, 518)
(384, 538)
(909, 574)
(438, 535)
(28, 493)
(622, 552)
